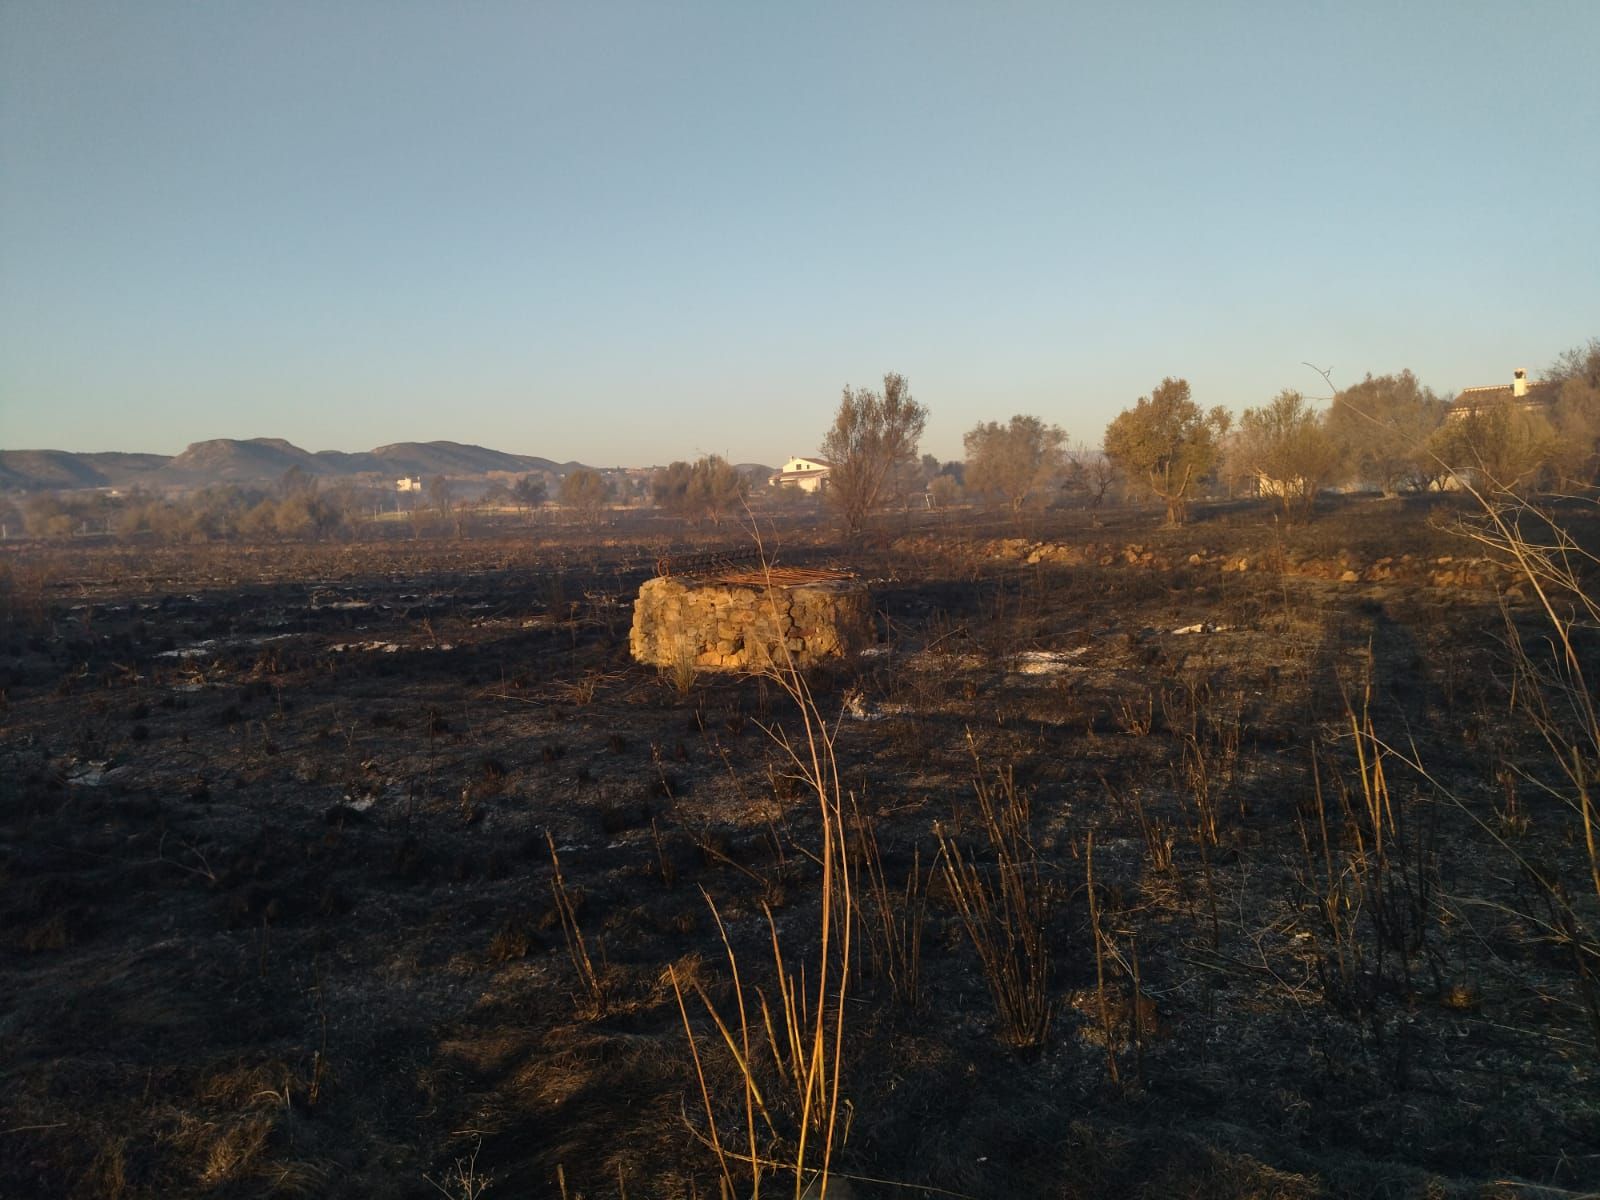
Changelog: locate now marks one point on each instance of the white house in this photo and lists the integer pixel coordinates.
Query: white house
(1529, 395)
(807, 474)
(408, 485)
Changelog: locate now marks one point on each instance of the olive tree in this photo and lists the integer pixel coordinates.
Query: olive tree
(1383, 426)
(944, 491)
(716, 488)
(587, 491)
(709, 489)
(872, 444)
(1285, 446)
(1015, 461)
(1092, 474)
(529, 492)
(441, 495)
(47, 515)
(669, 486)
(1575, 379)
(1500, 447)
(1166, 444)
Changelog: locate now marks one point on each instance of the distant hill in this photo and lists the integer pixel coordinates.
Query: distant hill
(453, 458)
(121, 469)
(256, 461)
(226, 460)
(60, 470)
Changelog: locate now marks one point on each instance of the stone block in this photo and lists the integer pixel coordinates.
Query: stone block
(747, 627)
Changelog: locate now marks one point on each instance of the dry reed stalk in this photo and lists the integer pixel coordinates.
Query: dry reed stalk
(1554, 566)
(713, 1140)
(805, 1040)
(1338, 895)
(1135, 720)
(594, 991)
(896, 934)
(1006, 917)
(683, 672)
(1158, 837)
(1099, 961)
(1138, 1010)
(1565, 927)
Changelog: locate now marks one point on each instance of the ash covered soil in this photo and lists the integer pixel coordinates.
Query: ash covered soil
(279, 912)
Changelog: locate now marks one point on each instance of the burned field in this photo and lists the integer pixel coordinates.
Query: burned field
(1214, 862)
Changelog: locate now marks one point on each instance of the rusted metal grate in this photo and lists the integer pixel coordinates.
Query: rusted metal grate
(743, 567)
(701, 565)
(782, 576)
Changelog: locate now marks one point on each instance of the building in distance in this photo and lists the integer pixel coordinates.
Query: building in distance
(807, 474)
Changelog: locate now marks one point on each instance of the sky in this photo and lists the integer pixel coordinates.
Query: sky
(627, 233)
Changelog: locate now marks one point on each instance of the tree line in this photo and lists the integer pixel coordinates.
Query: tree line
(1386, 433)
(295, 509)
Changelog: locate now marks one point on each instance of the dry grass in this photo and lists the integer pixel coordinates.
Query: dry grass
(683, 673)
(788, 1048)
(1269, 1037)
(895, 928)
(1006, 911)
(593, 994)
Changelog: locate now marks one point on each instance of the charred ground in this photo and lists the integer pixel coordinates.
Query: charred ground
(276, 904)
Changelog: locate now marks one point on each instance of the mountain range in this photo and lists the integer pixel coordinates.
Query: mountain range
(256, 460)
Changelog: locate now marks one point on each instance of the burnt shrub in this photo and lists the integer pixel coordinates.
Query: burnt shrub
(621, 816)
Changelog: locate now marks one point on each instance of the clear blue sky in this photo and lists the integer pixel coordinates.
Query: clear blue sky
(628, 233)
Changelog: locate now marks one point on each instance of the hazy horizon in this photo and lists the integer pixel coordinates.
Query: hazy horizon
(272, 437)
(631, 233)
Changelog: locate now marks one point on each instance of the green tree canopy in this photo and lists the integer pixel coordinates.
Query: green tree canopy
(1575, 379)
(707, 490)
(1383, 426)
(586, 491)
(1286, 446)
(1501, 447)
(1017, 461)
(1166, 444)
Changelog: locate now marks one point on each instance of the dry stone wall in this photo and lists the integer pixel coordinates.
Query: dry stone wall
(1343, 567)
(721, 625)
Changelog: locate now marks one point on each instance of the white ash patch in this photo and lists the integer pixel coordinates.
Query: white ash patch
(199, 650)
(858, 708)
(89, 774)
(1047, 662)
(210, 646)
(384, 647)
(930, 660)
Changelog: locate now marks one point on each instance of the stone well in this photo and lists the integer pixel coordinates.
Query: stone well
(744, 622)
